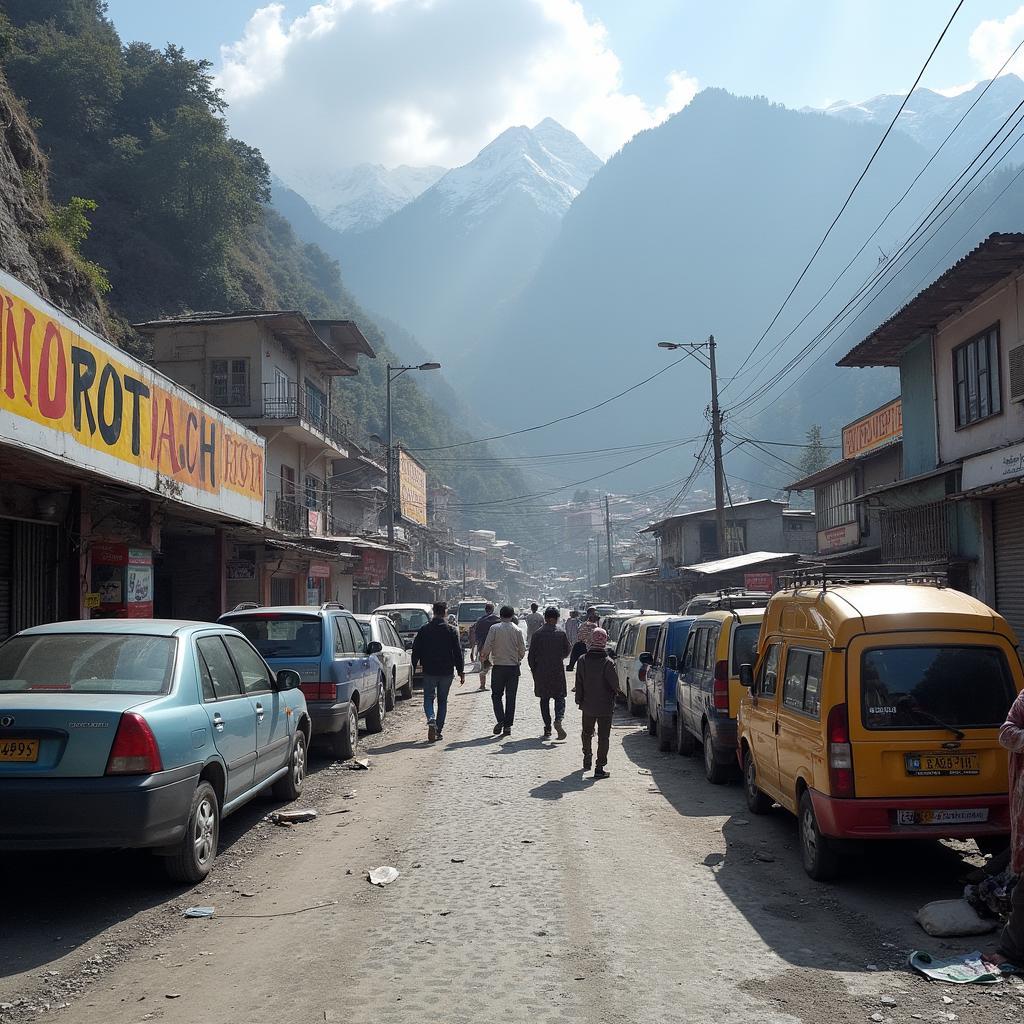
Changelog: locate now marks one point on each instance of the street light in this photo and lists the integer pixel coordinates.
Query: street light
(393, 373)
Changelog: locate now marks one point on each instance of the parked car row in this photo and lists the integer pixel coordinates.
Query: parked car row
(870, 709)
(142, 733)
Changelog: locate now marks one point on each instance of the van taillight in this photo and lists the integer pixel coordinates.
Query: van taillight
(721, 687)
(134, 751)
(319, 691)
(840, 752)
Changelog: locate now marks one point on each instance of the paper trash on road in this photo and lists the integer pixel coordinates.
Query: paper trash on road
(965, 969)
(383, 875)
(358, 764)
(198, 912)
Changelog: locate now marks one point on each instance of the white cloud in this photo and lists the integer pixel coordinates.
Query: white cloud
(427, 81)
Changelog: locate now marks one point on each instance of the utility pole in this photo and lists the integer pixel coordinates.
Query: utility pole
(608, 538)
(716, 441)
(590, 586)
(463, 574)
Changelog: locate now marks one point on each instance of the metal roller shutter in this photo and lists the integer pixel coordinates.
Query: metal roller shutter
(1008, 544)
(5, 578)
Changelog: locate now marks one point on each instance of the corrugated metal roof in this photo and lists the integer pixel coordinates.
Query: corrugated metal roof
(738, 562)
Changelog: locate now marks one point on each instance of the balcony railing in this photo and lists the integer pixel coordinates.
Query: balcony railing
(292, 515)
(296, 402)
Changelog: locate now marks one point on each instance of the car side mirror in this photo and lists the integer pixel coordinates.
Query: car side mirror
(646, 659)
(374, 647)
(287, 679)
(747, 675)
(672, 663)
(408, 645)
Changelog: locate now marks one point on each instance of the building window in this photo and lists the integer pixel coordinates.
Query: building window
(229, 382)
(976, 378)
(314, 492)
(833, 503)
(316, 404)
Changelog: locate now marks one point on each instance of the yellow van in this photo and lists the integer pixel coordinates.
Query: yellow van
(873, 712)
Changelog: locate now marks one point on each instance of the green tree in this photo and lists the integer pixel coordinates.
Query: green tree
(815, 455)
(69, 224)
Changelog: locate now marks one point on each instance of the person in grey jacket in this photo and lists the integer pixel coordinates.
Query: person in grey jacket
(548, 650)
(596, 687)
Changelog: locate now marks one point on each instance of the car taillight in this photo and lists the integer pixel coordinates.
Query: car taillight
(319, 691)
(840, 752)
(721, 686)
(642, 674)
(135, 751)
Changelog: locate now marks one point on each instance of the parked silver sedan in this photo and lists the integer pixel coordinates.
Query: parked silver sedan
(393, 655)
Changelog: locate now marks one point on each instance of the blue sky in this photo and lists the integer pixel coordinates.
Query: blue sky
(798, 52)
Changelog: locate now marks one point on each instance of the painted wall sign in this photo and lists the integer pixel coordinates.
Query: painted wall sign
(68, 394)
(996, 467)
(412, 489)
(372, 568)
(874, 430)
(762, 582)
(838, 538)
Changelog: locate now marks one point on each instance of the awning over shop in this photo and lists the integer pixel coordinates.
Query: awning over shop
(739, 562)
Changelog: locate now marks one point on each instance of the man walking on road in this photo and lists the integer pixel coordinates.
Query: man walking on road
(481, 628)
(583, 635)
(505, 649)
(534, 621)
(438, 650)
(548, 650)
(596, 686)
(572, 627)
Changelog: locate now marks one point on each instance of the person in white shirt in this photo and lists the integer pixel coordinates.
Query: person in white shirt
(504, 648)
(534, 621)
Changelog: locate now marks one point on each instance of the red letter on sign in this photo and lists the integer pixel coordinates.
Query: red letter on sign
(22, 358)
(53, 404)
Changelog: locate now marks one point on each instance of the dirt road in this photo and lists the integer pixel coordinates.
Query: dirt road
(527, 892)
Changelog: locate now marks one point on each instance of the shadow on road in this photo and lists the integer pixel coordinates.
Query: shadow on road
(845, 925)
(555, 789)
(480, 741)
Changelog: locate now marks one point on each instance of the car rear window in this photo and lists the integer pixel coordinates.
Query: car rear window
(87, 663)
(677, 634)
(930, 687)
(282, 636)
(651, 638)
(470, 612)
(744, 645)
(408, 620)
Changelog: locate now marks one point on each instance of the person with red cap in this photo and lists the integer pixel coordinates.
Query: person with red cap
(596, 686)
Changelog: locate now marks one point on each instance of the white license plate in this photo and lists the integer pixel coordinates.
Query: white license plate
(964, 816)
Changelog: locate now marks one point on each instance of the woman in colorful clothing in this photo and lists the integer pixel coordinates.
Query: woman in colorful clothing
(1011, 736)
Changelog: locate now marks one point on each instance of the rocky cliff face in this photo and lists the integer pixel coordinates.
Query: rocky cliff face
(25, 252)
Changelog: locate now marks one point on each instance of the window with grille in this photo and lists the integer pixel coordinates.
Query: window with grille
(314, 492)
(834, 503)
(229, 382)
(976, 393)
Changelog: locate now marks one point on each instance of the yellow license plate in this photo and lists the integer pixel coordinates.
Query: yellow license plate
(19, 750)
(942, 764)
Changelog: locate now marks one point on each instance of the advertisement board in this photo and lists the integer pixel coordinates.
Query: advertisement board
(880, 427)
(838, 538)
(412, 489)
(67, 394)
(373, 567)
(760, 582)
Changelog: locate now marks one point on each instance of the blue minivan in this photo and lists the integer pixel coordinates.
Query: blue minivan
(662, 672)
(342, 678)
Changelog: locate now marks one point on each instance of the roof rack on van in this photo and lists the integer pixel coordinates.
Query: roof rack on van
(331, 604)
(246, 605)
(823, 575)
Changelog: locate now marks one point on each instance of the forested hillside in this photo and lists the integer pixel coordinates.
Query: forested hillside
(155, 207)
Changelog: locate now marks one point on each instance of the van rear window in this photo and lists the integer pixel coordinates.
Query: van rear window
(934, 687)
(744, 646)
(282, 636)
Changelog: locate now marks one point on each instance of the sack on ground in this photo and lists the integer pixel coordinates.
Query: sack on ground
(952, 917)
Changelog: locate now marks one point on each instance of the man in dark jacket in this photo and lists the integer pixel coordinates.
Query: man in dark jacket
(549, 648)
(438, 650)
(481, 628)
(596, 687)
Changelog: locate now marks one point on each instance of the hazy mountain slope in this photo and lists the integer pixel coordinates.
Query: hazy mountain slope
(444, 265)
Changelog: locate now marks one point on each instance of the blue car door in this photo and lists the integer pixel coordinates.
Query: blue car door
(273, 735)
(232, 718)
(345, 669)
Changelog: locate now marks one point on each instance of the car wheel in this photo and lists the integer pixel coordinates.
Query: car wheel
(342, 744)
(685, 744)
(714, 770)
(289, 786)
(652, 724)
(821, 861)
(407, 689)
(192, 861)
(757, 802)
(391, 697)
(375, 716)
(666, 738)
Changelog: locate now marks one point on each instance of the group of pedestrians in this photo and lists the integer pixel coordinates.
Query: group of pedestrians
(499, 644)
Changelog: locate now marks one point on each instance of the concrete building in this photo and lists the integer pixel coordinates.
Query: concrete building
(959, 501)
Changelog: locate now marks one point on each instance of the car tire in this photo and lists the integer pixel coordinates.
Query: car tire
(633, 708)
(714, 770)
(289, 786)
(757, 802)
(375, 716)
(652, 724)
(821, 861)
(685, 743)
(666, 739)
(194, 857)
(343, 743)
(407, 689)
(391, 696)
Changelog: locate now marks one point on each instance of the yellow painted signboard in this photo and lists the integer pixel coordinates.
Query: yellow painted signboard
(880, 427)
(412, 489)
(69, 394)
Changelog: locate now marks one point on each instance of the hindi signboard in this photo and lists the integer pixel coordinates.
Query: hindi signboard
(878, 428)
(412, 489)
